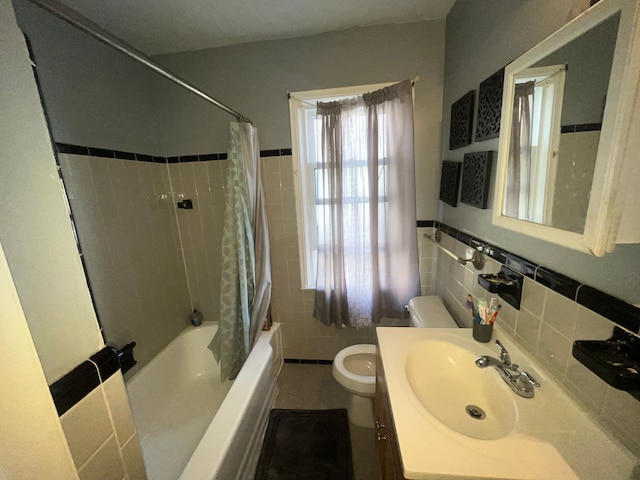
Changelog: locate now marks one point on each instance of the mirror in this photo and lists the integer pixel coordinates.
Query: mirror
(560, 105)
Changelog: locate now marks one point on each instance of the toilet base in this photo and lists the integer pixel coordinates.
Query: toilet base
(360, 411)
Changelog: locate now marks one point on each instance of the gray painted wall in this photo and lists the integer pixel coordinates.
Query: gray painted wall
(254, 79)
(589, 58)
(481, 38)
(35, 231)
(95, 96)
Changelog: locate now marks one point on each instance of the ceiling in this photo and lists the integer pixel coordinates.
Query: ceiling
(163, 26)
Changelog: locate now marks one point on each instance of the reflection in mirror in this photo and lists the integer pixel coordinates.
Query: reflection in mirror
(558, 106)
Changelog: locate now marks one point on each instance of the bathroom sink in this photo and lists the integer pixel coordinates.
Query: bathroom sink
(474, 402)
(435, 390)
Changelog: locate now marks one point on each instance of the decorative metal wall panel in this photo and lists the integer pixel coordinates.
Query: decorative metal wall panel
(461, 121)
(476, 175)
(489, 107)
(450, 182)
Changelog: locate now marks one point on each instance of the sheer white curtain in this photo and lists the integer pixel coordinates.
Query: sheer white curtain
(518, 184)
(367, 266)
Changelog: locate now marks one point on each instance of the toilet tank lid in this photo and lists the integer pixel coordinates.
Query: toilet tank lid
(428, 311)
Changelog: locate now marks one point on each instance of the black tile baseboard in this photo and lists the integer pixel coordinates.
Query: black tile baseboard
(308, 362)
(82, 380)
(616, 310)
(141, 157)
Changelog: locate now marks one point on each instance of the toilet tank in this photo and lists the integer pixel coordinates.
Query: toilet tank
(429, 312)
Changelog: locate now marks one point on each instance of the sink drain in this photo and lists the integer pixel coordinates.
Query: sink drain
(475, 412)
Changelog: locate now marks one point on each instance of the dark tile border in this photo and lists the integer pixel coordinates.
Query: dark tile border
(101, 152)
(522, 265)
(79, 382)
(557, 282)
(623, 314)
(73, 149)
(582, 127)
(141, 157)
(107, 362)
(616, 310)
(74, 386)
(424, 223)
(308, 362)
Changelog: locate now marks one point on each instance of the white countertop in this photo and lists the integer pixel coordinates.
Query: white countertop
(553, 437)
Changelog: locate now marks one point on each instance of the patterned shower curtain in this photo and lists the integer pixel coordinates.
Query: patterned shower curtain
(245, 287)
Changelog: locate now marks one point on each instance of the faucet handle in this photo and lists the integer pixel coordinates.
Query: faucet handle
(504, 354)
(527, 377)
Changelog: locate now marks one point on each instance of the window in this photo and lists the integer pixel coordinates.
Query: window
(309, 178)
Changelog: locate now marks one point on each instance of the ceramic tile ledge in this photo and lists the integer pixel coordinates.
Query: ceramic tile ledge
(616, 310)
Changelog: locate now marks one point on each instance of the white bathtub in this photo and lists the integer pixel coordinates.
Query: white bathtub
(191, 425)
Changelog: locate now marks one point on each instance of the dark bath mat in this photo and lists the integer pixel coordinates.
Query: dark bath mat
(306, 445)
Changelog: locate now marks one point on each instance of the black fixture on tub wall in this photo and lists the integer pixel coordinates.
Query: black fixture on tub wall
(187, 204)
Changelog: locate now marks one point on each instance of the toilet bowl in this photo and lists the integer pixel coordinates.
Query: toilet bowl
(354, 368)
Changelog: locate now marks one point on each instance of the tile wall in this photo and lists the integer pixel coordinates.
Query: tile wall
(200, 228)
(94, 394)
(546, 326)
(127, 228)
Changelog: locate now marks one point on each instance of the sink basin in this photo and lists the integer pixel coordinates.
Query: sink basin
(469, 400)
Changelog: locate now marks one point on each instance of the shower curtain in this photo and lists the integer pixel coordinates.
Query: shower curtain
(245, 287)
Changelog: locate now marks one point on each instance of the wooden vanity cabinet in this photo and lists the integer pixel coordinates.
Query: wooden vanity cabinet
(387, 451)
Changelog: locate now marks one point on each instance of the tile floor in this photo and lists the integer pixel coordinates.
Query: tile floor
(313, 387)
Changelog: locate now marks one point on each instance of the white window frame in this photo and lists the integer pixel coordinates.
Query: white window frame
(300, 105)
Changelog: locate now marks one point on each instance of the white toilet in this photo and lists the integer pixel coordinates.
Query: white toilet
(354, 367)
(429, 312)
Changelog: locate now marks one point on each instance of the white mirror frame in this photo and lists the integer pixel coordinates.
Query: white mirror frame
(609, 186)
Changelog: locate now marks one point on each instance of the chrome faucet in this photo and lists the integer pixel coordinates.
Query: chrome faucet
(521, 383)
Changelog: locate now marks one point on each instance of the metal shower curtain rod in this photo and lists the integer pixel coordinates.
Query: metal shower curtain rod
(74, 18)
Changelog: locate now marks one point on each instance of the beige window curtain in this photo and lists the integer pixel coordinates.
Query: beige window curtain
(516, 200)
(367, 264)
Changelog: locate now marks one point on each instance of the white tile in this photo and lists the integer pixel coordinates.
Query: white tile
(560, 313)
(106, 464)
(86, 426)
(528, 329)
(118, 404)
(591, 326)
(554, 349)
(533, 296)
(133, 460)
